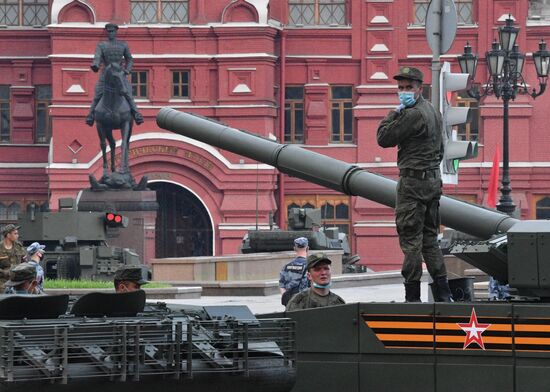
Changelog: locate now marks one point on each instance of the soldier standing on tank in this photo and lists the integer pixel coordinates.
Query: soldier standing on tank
(415, 128)
(319, 294)
(109, 52)
(11, 252)
(292, 278)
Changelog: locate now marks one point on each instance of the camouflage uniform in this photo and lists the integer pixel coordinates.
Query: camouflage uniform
(24, 272)
(309, 299)
(293, 275)
(8, 259)
(416, 131)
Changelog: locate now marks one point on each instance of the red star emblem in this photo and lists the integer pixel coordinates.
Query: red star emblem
(473, 331)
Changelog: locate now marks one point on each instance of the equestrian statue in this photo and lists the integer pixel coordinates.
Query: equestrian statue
(113, 108)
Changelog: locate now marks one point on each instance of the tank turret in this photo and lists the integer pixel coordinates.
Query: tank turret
(302, 222)
(489, 253)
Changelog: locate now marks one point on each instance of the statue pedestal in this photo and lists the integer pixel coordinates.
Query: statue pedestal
(141, 209)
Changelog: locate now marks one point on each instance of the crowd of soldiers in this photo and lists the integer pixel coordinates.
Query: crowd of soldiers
(21, 272)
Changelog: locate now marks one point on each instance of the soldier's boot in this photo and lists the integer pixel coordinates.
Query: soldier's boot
(90, 118)
(441, 290)
(412, 292)
(138, 118)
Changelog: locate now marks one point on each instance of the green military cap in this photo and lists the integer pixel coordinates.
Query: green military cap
(409, 73)
(21, 273)
(133, 273)
(317, 258)
(9, 228)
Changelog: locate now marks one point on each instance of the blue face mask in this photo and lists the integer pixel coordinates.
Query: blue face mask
(407, 98)
(321, 286)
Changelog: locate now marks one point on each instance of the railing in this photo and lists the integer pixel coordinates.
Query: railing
(132, 349)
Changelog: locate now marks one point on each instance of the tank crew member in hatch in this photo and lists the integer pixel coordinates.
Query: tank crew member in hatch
(130, 278)
(319, 294)
(22, 280)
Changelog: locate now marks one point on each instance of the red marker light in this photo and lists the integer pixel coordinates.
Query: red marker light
(110, 216)
(118, 218)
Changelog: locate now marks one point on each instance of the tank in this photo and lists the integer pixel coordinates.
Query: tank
(511, 250)
(303, 222)
(76, 242)
(117, 342)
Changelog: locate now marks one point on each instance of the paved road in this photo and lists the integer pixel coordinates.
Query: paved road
(272, 303)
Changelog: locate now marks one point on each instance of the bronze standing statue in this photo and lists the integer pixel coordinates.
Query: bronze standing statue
(113, 107)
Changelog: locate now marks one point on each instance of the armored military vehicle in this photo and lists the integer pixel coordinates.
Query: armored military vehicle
(486, 346)
(302, 222)
(115, 342)
(76, 242)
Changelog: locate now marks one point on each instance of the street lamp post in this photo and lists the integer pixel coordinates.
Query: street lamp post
(505, 66)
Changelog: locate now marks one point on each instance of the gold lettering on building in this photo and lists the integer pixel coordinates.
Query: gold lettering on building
(152, 150)
(198, 159)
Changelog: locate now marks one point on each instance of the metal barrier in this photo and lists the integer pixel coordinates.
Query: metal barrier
(136, 348)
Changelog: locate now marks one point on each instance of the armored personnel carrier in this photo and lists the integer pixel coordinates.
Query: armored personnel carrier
(76, 242)
(115, 342)
(461, 346)
(302, 222)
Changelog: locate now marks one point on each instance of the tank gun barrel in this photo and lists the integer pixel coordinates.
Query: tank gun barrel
(326, 171)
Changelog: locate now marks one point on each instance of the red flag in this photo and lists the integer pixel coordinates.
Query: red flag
(493, 181)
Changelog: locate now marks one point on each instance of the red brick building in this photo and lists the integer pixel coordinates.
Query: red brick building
(313, 72)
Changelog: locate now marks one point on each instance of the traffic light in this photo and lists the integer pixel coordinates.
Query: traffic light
(455, 150)
(115, 220)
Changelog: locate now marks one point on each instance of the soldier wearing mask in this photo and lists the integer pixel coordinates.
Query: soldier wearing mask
(319, 294)
(11, 252)
(415, 128)
(109, 52)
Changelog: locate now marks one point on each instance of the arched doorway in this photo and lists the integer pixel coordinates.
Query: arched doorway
(183, 226)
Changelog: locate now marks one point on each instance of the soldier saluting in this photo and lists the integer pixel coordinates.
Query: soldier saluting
(109, 52)
(11, 252)
(415, 128)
